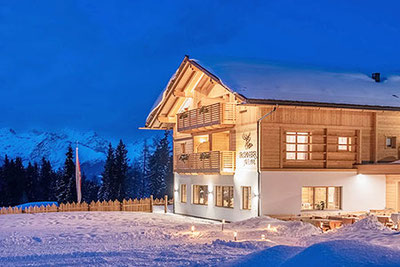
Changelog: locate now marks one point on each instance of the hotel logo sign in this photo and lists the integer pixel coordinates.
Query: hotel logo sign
(248, 158)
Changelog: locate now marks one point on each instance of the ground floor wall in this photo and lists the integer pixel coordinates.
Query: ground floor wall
(211, 211)
(281, 191)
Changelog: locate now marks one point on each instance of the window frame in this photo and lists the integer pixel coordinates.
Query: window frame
(243, 206)
(297, 144)
(393, 140)
(313, 204)
(183, 193)
(231, 195)
(196, 199)
(347, 145)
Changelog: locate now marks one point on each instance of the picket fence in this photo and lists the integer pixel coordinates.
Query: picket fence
(138, 205)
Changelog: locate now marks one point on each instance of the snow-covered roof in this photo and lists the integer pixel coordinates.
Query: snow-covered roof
(274, 83)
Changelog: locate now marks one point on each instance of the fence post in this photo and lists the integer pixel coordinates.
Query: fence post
(151, 203)
(165, 203)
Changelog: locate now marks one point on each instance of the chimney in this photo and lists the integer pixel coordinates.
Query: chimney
(376, 76)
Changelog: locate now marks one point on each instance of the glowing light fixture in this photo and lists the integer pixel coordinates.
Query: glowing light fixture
(271, 229)
(235, 236)
(262, 237)
(192, 228)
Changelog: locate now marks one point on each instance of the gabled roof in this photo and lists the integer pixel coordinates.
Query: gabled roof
(266, 83)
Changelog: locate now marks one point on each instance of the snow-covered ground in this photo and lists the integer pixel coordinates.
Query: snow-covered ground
(143, 239)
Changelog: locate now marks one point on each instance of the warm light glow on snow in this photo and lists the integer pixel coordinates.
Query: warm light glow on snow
(271, 228)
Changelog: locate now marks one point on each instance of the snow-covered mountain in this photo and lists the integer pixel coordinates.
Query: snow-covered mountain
(35, 144)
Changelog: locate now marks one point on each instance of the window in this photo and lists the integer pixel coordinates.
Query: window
(246, 197)
(224, 196)
(321, 198)
(201, 143)
(183, 193)
(297, 145)
(391, 142)
(183, 148)
(200, 194)
(344, 143)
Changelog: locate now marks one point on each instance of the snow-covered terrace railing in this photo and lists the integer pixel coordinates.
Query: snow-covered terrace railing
(217, 115)
(206, 162)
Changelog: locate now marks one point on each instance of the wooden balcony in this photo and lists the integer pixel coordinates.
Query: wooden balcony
(213, 162)
(218, 115)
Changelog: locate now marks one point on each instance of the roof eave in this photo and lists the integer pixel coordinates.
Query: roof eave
(255, 101)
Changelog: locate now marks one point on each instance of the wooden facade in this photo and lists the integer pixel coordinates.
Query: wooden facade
(209, 122)
(366, 131)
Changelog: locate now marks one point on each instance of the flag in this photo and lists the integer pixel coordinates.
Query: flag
(78, 177)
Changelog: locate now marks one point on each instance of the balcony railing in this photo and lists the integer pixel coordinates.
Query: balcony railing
(217, 115)
(206, 162)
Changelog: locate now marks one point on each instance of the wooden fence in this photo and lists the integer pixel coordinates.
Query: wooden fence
(138, 205)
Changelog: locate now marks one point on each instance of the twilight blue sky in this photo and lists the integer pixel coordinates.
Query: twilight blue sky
(100, 65)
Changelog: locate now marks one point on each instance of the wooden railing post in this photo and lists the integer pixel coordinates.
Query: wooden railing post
(165, 203)
(151, 203)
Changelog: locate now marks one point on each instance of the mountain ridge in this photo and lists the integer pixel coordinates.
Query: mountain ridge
(35, 144)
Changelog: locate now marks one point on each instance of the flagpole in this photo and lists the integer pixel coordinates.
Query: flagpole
(78, 176)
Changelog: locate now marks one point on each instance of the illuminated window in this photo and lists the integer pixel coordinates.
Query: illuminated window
(391, 142)
(246, 197)
(321, 198)
(183, 193)
(200, 194)
(344, 143)
(201, 143)
(297, 145)
(224, 196)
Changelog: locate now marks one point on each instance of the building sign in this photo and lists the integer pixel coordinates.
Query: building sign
(247, 157)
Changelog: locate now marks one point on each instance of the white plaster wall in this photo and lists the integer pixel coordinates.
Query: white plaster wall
(241, 178)
(281, 190)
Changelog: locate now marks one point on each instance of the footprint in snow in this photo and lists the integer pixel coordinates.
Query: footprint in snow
(37, 239)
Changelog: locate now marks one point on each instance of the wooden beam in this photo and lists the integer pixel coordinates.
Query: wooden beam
(182, 94)
(359, 146)
(375, 138)
(165, 119)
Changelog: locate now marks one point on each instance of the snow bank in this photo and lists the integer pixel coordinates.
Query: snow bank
(277, 227)
(369, 223)
(345, 253)
(331, 253)
(368, 230)
(145, 239)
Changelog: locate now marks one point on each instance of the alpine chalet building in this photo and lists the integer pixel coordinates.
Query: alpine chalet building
(254, 139)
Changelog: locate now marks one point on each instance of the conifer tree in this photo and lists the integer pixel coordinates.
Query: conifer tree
(3, 184)
(160, 162)
(46, 181)
(66, 189)
(143, 171)
(121, 178)
(107, 175)
(32, 180)
(90, 189)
